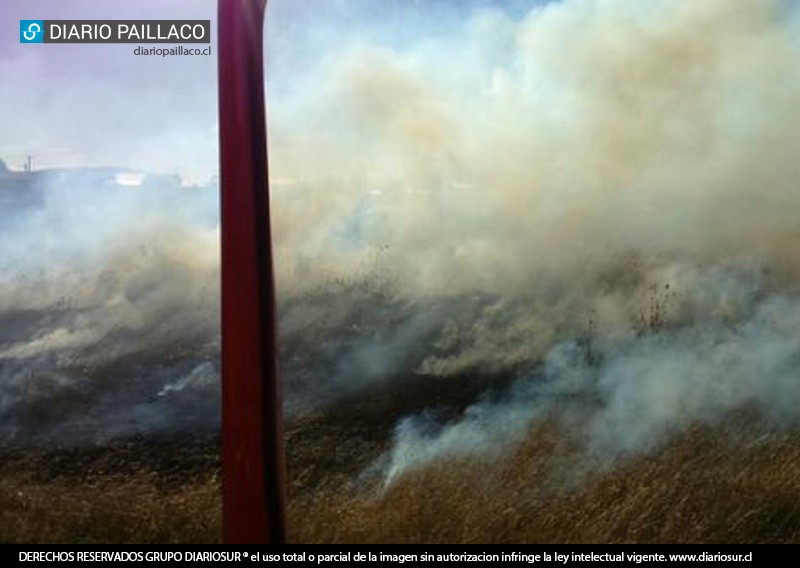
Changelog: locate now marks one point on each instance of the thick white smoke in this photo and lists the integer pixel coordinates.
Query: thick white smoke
(614, 180)
(108, 293)
(721, 341)
(507, 148)
(593, 199)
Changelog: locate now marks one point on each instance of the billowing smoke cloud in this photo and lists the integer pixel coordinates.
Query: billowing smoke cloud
(506, 148)
(592, 200)
(721, 342)
(610, 173)
(620, 176)
(108, 292)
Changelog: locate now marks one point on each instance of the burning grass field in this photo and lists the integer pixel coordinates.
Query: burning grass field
(726, 484)
(664, 432)
(537, 281)
(534, 453)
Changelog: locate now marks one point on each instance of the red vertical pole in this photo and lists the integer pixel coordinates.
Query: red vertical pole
(252, 431)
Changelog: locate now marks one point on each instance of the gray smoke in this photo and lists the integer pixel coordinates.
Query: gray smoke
(593, 200)
(107, 292)
(718, 341)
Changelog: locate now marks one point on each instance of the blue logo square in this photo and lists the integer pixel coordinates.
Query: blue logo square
(31, 31)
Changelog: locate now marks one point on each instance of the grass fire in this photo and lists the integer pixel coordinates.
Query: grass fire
(537, 282)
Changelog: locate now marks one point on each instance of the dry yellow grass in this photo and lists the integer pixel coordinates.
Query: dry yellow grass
(701, 488)
(132, 510)
(142, 491)
(709, 485)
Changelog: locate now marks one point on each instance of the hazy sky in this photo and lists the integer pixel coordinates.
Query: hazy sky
(102, 105)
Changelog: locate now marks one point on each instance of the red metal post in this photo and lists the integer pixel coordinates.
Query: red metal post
(252, 426)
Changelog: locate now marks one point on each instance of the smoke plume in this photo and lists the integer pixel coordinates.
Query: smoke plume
(592, 201)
